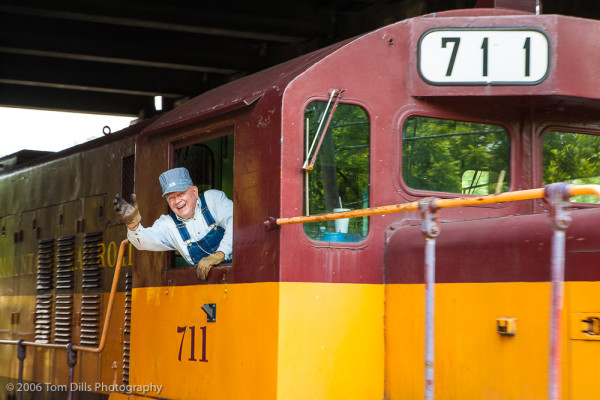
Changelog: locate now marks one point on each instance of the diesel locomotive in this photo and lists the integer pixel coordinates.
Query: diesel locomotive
(415, 216)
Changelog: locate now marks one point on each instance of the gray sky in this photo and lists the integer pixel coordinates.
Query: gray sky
(51, 131)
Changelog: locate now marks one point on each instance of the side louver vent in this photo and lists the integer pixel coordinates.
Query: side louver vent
(43, 303)
(91, 301)
(92, 273)
(66, 262)
(43, 318)
(126, 329)
(65, 281)
(45, 264)
(90, 319)
(63, 318)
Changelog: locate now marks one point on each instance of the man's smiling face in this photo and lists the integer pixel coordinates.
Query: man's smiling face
(183, 203)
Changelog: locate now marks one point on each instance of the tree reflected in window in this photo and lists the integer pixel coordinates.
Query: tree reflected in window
(340, 177)
(573, 158)
(443, 155)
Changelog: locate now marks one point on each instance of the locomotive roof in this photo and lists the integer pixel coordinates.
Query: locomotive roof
(241, 92)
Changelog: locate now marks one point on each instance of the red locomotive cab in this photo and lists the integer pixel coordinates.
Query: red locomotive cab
(450, 105)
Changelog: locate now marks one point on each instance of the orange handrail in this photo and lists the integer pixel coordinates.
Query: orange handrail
(109, 308)
(574, 190)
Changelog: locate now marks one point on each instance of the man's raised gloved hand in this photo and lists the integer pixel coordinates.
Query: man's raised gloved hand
(127, 213)
(204, 266)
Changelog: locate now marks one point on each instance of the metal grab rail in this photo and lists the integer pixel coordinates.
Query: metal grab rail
(574, 190)
(109, 307)
(72, 348)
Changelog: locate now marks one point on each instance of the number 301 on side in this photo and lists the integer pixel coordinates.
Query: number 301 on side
(483, 56)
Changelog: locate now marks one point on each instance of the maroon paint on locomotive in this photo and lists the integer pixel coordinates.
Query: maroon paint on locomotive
(363, 68)
(378, 72)
(506, 249)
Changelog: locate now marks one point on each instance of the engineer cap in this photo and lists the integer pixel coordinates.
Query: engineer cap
(175, 180)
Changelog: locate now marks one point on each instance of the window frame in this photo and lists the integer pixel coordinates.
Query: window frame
(331, 244)
(539, 164)
(196, 137)
(420, 193)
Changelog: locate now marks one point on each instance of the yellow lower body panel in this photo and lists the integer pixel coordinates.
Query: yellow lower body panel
(174, 346)
(472, 360)
(338, 341)
(269, 341)
(331, 341)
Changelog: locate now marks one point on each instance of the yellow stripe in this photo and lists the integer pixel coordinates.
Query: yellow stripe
(472, 361)
(331, 341)
(241, 346)
(270, 340)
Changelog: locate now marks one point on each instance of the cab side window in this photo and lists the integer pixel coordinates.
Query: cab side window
(443, 155)
(210, 164)
(339, 179)
(573, 158)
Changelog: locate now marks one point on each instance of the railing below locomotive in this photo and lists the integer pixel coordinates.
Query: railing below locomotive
(73, 348)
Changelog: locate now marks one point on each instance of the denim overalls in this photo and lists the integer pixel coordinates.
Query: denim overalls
(209, 243)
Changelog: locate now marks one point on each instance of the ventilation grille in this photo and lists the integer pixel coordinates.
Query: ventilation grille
(90, 319)
(43, 318)
(91, 303)
(43, 303)
(92, 273)
(66, 262)
(126, 329)
(63, 318)
(45, 264)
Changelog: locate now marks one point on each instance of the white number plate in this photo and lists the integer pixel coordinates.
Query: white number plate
(484, 56)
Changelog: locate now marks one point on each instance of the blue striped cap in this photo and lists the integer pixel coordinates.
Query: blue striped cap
(175, 180)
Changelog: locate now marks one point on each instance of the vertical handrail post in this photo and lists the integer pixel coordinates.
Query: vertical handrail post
(558, 195)
(21, 354)
(71, 362)
(430, 227)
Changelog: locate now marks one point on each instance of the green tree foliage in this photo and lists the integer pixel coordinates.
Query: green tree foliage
(341, 171)
(454, 156)
(571, 157)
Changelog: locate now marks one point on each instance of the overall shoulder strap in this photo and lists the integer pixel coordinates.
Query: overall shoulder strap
(185, 235)
(207, 215)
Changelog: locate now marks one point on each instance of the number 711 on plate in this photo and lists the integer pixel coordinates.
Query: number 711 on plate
(483, 56)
